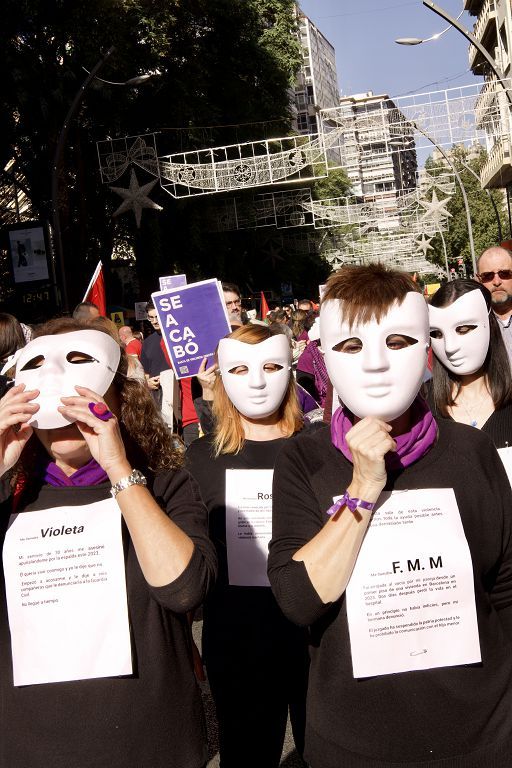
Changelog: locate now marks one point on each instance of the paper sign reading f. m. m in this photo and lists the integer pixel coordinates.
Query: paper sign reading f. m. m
(193, 319)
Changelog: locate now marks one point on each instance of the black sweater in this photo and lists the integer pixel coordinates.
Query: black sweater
(150, 719)
(452, 717)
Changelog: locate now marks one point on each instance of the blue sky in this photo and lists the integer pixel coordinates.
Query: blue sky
(367, 58)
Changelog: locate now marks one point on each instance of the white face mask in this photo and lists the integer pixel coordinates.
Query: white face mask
(255, 376)
(55, 364)
(374, 370)
(460, 333)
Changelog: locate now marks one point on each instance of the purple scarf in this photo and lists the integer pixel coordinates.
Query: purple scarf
(410, 446)
(90, 474)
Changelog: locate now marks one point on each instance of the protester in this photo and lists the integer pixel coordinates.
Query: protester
(311, 371)
(421, 684)
(92, 691)
(132, 345)
(472, 382)
(86, 310)
(232, 299)
(154, 360)
(12, 337)
(255, 658)
(494, 270)
(305, 304)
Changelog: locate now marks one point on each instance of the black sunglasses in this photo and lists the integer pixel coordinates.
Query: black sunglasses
(504, 274)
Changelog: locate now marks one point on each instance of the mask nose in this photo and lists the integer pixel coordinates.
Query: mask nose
(451, 344)
(256, 378)
(375, 358)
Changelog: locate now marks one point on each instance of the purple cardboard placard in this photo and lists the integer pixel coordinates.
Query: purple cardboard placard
(193, 319)
(172, 281)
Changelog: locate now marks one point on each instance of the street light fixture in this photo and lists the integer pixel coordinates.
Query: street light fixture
(57, 233)
(419, 40)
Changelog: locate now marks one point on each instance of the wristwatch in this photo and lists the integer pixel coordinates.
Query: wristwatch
(136, 478)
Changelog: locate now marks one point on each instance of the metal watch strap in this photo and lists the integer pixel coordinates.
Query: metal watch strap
(135, 478)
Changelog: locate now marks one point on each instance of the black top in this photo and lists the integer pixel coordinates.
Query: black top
(452, 717)
(229, 605)
(498, 426)
(152, 357)
(152, 718)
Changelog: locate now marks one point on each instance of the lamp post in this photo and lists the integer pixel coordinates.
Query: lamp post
(467, 34)
(419, 40)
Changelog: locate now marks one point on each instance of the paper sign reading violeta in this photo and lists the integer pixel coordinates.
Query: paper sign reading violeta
(66, 594)
(410, 599)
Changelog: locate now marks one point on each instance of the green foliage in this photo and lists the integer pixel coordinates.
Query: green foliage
(483, 216)
(226, 64)
(336, 184)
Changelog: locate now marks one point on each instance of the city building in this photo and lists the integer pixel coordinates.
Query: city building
(379, 150)
(316, 85)
(493, 29)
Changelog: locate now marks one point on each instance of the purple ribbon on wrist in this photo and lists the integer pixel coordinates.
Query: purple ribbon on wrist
(350, 503)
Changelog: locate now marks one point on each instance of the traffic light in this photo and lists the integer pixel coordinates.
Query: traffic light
(461, 267)
(453, 276)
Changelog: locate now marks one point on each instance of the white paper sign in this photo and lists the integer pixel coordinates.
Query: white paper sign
(410, 599)
(506, 457)
(66, 594)
(248, 525)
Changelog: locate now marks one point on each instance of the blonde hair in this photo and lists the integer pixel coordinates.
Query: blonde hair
(228, 433)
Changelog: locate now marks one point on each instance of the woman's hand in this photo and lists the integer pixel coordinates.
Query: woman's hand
(206, 377)
(103, 438)
(16, 409)
(369, 440)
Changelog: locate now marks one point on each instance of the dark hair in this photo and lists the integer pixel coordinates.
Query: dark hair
(152, 448)
(149, 306)
(83, 305)
(496, 366)
(11, 336)
(232, 288)
(298, 322)
(367, 291)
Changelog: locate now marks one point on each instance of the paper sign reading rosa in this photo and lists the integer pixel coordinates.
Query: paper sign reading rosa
(193, 319)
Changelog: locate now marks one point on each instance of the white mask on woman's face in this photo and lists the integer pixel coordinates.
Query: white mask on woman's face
(377, 367)
(55, 364)
(460, 333)
(255, 376)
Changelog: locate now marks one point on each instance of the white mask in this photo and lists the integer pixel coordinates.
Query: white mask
(256, 390)
(46, 363)
(463, 333)
(374, 376)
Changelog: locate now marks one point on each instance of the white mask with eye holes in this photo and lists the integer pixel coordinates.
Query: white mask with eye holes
(55, 364)
(377, 367)
(460, 333)
(255, 376)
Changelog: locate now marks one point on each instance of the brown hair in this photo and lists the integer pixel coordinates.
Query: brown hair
(152, 447)
(11, 336)
(228, 433)
(367, 291)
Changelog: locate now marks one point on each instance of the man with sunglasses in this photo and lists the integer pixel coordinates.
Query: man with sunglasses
(495, 272)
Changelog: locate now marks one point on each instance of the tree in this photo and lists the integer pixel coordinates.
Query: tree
(483, 216)
(221, 63)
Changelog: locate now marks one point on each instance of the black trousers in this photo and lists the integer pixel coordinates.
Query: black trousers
(257, 667)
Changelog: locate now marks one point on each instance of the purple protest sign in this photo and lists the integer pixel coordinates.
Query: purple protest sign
(172, 281)
(193, 319)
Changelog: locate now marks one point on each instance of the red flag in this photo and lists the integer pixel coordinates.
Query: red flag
(96, 290)
(264, 307)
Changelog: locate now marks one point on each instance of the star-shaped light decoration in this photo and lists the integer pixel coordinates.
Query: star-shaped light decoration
(435, 210)
(423, 244)
(135, 198)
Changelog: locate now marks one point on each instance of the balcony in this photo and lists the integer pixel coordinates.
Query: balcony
(485, 32)
(497, 169)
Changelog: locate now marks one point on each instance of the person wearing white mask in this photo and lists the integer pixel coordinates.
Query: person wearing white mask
(358, 509)
(471, 381)
(114, 534)
(256, 659)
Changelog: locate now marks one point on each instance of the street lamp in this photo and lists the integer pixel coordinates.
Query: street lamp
(419, 40)
(57, 160)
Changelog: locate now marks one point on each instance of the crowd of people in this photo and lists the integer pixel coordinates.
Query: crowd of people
(332, 492)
